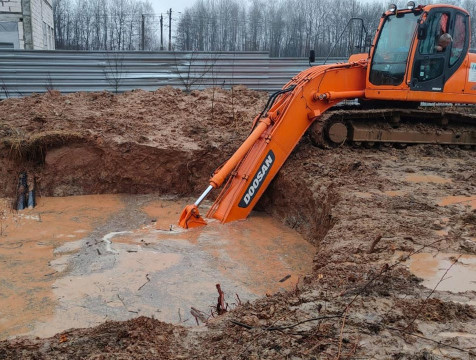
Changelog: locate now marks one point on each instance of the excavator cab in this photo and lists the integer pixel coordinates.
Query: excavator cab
(417, 52)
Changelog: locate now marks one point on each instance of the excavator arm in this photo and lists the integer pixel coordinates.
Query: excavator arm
(275, 133)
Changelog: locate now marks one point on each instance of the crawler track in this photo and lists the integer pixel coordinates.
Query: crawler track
(396, 126)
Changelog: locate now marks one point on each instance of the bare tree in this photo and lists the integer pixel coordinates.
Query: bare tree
(49, 82)
(5, 90)
(114, 71)
(101, 24)
(283, 27)
(191, 68)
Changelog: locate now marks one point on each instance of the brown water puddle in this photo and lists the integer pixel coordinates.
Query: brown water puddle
(262, 235)
(431, 268)
(157, 270)
(363, 195)
(462, 200)
(395, 193)
(423, 178)
(267, 249)
(27, 244)
(457, 334)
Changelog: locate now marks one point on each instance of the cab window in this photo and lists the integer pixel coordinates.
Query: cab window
(429, 69)
(391, 53)
(437, 41)
(459, 39)
(438, 38)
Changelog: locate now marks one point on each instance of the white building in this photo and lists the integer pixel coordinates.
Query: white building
(27, 24)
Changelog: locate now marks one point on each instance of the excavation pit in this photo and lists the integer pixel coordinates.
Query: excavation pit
(373, 215)
(75, 262)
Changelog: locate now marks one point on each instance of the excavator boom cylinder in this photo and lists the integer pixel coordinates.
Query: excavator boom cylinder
(220, 175)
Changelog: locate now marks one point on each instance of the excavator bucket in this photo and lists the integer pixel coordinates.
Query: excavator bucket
(191, 218)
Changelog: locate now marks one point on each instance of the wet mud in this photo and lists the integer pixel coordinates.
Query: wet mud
(76, 268)
(32, 245)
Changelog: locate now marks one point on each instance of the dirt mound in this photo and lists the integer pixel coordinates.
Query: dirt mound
(140, 338)
(88, 143)
(165, 118)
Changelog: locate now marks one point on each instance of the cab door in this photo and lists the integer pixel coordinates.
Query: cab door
(435, 62)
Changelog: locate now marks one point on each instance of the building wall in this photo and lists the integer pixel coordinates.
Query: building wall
(11, 12)
(10, 6)
(42, 24)
(35, 22)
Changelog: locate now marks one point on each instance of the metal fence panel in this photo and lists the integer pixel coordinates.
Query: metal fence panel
(25, 72)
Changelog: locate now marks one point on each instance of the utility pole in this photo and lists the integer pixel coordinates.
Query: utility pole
(161, 32)
(143, 33)
(170, 30)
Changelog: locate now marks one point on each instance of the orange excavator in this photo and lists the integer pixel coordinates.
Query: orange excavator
(420, 54)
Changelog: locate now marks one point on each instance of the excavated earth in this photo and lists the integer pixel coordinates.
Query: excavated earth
(395, 230)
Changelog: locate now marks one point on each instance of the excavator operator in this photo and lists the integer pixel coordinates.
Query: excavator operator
(443, 41)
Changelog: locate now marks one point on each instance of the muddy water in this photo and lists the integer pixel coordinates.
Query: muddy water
(91, 259)
(427, 178)
(432, 268)
(461, 200)
(394, 193)
(28, 263)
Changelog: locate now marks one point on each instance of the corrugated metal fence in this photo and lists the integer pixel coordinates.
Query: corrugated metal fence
(25, 72)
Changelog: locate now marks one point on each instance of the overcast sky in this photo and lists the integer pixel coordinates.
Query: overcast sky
(162, 6)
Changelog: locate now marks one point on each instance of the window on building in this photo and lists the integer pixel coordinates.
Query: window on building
(9, 36)
(4, 45)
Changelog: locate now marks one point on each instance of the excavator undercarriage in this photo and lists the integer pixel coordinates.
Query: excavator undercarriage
(396, 127)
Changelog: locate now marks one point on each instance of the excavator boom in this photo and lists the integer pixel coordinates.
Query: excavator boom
(290, 116)
(250, 170)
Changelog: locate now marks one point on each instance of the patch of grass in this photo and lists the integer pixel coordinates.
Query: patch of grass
(34, 147)
(8, 131)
